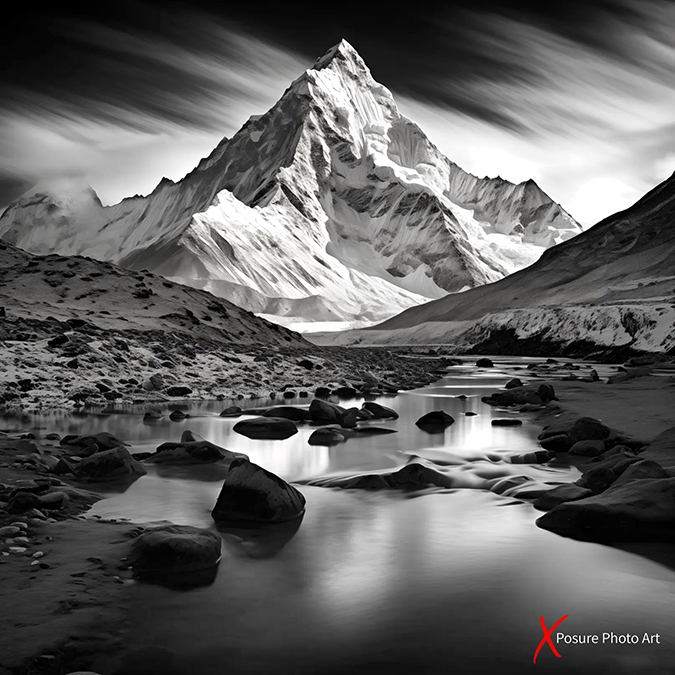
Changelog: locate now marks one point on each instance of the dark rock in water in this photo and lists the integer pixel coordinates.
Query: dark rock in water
(380, 411)
(588, 429)
(192, 449)
(588, 448)
(178, 415)
(346, 392)
(288, 412)
(271, 428)
(172, 549)
(462, 397)
(515, 396)
(303, 394)
(536, 457)
(415, 476)
(435, 421)
(322, 411)
(597, 479)
(103, 440)
(368, 482)
(350, 418)
(643, 468)
(641, 510)
(374, 431)
(557, 443)
(322, 392)
(326, 436)
(108, 465)
(306, 363)
(152, 415)
(617, 461)
(53, 501)
(484, 363)
(63, 466)
(53, 437)
(511, 384)
(140, 456)
(250, 494)
(22, 501)
(546, 393)
(469, 413)
(178, 391)
(232, 411)
(364, 414)
(289, 394)
(506, 423)
(561, 494)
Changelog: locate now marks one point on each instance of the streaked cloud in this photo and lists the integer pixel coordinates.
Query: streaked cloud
(578, 97)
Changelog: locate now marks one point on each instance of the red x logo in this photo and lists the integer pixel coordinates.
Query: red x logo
(547, 636)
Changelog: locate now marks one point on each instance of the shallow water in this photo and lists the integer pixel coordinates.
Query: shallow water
(382, 582)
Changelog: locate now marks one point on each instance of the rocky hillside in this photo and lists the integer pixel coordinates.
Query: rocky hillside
(331, 206)
(79, 332)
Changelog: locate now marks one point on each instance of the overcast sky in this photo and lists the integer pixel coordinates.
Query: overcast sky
(578, 96)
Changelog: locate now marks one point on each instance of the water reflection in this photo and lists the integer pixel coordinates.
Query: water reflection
(260, 542)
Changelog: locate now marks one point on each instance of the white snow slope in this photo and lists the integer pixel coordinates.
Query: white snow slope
(330, 207)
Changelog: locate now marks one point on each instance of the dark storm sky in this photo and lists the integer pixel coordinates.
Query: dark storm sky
(576, 95)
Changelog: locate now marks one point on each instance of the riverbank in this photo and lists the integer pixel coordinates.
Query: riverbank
(86, 369)
(640, 408)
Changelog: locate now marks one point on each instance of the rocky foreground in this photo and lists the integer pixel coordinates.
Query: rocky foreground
(65, 578)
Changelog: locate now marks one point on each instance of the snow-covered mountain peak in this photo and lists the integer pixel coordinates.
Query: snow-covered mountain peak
(341, 55)
(329, 206)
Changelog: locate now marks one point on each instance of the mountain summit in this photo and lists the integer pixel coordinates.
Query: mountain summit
(331, 206)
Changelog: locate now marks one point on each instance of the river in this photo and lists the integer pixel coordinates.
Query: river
(427, 582)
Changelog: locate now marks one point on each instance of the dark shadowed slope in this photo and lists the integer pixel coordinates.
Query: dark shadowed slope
(628, 256)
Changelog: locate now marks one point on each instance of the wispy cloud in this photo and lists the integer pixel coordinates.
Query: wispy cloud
(578, 97)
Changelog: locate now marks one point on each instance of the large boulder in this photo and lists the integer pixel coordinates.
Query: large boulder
(326, 436)
(110, 465)
(643, 468)
(270, 428)
(231, 411)
(322, 411)
(103, 440)
(546, 393)
(556, 443)
(250, 495)
(435, 421)
(506, 422)
(288, 412)
(588, 448)
(380, 412)
(172, 549)
(485, 363)
(588, 429)
(512, 384)
(662, 450)
(640, 510)
(191, 449)
(514, 396)
(561, 494)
